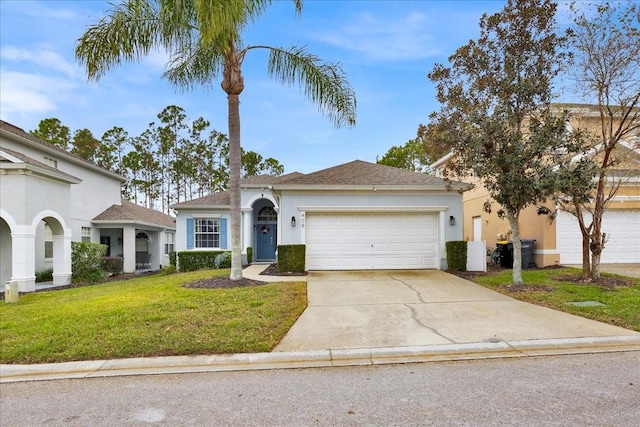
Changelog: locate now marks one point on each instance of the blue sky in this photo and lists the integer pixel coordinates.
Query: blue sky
(386, 48)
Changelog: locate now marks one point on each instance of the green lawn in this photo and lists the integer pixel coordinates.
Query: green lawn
(621, 303)
(147, 316)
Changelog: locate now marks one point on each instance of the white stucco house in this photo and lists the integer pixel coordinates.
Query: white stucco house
(49, 198)
(358, 215)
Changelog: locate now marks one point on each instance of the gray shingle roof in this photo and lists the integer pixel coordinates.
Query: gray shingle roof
(215, 199)
(359, 172)
(269, 179)
(128, 211)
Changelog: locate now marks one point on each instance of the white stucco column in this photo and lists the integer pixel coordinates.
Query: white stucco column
(247, 228)
(129, 249)
(62, 259)
(23, 263)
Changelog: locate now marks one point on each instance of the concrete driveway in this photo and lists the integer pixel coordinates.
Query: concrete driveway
(374, 309)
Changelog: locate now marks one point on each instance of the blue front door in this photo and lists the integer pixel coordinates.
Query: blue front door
(266, 242)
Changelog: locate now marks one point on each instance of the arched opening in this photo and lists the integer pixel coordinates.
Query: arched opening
(265, 230)
(143, 258)
(6, 248)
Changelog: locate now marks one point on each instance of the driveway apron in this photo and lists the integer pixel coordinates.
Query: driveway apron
(374, 309)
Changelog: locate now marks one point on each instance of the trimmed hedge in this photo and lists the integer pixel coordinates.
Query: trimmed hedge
(249, 255)
(172, 259)
(198, 260)
(113, 264)
(457, 255)
(87, 264)
(291, 258)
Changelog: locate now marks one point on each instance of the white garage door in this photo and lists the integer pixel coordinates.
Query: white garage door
(354, 241)
(623, 234)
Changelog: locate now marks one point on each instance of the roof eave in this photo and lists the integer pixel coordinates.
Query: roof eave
(132, 222)
(63, 154)
(192, 207)
(398, 187)
(31, 169)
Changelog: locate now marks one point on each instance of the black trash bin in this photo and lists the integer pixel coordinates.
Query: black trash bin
(506, 254)
(527, 254)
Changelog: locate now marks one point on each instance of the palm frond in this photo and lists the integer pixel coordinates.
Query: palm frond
(325, 84)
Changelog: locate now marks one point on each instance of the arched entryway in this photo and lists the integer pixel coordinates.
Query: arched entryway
(5, 252)
(266, 230)
(143, 257)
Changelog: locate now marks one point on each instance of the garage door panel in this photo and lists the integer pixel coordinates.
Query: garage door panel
(365, 241)
(623, 234)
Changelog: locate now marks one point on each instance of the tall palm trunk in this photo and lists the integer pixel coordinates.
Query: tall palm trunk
(233, 84)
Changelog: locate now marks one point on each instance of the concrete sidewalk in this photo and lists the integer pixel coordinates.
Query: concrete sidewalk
(381, 317)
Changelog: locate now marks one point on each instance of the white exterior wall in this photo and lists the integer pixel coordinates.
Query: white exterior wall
(97, 192)
(181, 225)
(292, 201)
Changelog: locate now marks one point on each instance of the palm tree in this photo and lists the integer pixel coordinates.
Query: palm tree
(203, 39)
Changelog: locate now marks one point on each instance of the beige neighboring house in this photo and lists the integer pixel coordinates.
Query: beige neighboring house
(557, 237)
(50, 198)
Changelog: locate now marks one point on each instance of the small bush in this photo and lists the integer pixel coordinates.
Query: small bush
(457, 255)
(113, 265)
(291, 258)
(86, 262)
(168, 269)
(197, 260)
(223, 260)
(249, 255)
(172, 259)
(44, 275)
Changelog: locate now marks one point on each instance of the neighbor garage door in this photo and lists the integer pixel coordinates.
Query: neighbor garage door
(353, 241)
(623, 234)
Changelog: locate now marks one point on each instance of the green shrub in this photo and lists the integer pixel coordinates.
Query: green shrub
(86, 262)
(457, 255)
(223, 260)
(113, 265)
(44, 275)
(172, 259)
(197, 260)
(168, 269)
(249, 255)
(291, 258)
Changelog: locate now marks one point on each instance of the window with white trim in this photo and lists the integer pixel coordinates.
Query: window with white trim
(207, 233)
(85, 235)
(48, 241)
(169, 239)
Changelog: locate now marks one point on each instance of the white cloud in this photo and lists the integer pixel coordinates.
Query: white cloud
(42, 58)
(24, 93)
(386, 38)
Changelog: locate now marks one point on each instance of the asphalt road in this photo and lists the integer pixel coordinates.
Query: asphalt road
(577, 390)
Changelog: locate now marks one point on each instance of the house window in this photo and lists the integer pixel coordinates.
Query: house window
(48, 241)
(267, 214)
(168, 242)
(207, 233)
(86, 234)
(50, 162)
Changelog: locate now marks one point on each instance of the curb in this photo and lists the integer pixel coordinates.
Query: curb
(316, 358)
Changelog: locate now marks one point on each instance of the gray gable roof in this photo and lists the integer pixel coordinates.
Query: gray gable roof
(359, 172)
(130, 212)
(350, 175)
(221, 198)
